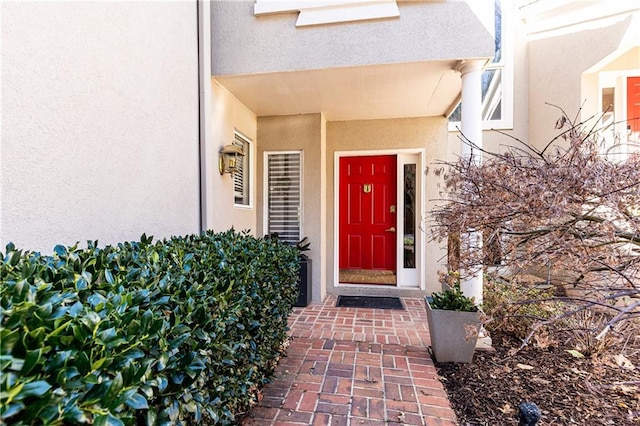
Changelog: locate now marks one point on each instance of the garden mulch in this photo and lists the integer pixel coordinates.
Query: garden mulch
(603, 389)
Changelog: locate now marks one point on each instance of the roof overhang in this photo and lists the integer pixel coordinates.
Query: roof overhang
(397, 90)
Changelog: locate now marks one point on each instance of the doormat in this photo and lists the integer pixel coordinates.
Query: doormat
(369, 302)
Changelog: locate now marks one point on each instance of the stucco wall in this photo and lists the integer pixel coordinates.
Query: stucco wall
(425, 30)
(228, 115)
(304, 132)
(556, 67)
(428, 133)
(99, 121)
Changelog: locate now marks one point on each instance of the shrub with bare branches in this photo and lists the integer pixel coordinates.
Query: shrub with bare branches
(562, 213)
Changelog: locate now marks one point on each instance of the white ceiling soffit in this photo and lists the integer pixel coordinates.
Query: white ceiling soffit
(417, 89)
(316, 12)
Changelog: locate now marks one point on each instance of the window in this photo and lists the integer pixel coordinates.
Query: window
(497, 79)
(241, 178)
(283, 194)
(409, 235)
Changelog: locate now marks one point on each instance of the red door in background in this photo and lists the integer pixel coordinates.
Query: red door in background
(368, 213)
(633, 103)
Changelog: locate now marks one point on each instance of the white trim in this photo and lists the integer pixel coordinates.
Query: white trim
(347, 14)
(420, 208)
(247, 166)
(552, 18)
(409, 277)
(329, 12)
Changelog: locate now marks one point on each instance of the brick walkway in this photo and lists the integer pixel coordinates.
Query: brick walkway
(348, 366)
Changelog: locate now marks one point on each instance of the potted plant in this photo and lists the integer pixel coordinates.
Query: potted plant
(454, 322)
(304, 274)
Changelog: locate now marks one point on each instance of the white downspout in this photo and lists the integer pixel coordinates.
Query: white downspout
(204, 100)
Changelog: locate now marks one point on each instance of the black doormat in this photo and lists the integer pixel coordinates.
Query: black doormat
(369, 302)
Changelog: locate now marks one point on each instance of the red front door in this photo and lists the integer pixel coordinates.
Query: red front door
(368, 212)
(633, 103)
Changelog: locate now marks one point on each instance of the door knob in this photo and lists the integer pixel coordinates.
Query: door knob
(392, 229)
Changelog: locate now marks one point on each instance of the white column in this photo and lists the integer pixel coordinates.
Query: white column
(471, 121)
(471, 128)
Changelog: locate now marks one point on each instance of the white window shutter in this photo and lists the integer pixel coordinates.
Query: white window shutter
(284, 195)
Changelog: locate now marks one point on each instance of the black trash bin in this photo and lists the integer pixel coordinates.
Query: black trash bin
(304, 283)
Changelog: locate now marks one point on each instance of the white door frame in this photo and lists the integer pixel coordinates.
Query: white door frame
(406, 278)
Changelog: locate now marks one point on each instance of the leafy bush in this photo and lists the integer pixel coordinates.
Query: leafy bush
(515, 305)
(170, 332)
(452, 298)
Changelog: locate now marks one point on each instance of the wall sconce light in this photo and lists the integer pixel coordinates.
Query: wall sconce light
(230, 159)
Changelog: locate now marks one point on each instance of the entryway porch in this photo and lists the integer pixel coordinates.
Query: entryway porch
(355, 366)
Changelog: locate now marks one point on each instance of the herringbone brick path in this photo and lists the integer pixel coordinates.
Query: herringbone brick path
(353, 366)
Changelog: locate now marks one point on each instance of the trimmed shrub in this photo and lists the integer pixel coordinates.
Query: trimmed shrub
(171, 332)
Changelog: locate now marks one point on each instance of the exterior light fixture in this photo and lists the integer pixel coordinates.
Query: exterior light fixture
(230, 159)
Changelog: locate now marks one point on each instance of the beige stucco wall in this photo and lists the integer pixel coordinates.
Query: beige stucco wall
(305, 132)
(556, 66)
(425, 30)
(99, 122)
(227, 116)
(429, 133)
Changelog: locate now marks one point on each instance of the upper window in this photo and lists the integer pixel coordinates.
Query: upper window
(241, 178)
(497, 79)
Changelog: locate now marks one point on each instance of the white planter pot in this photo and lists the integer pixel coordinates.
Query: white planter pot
(453, 334)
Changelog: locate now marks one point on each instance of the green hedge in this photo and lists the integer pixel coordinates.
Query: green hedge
(171, 332)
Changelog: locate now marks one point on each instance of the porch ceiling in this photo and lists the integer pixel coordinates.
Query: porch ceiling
(415, 89)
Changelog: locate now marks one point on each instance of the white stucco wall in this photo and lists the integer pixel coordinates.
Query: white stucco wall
(557, 66)
(228, 115)
(99, 122)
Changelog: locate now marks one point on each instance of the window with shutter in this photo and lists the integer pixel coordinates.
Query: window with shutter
(284, 198)
(241, 182)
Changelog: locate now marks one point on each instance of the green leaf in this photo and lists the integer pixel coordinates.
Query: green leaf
(147, 316)
(108, 276)
(79, 333)
(107, 335)
(67, 374)
(114, 389)
(107, 420)
(38, 389)
(12, 258)
(137, 402)
(5, 361)
(576, 354)
(75, 309)
(151, 417)
(11, 410)
(162, 382)
(162, 361)
(8, 340)
(60, 250)
(30, 361)
(99, 363)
